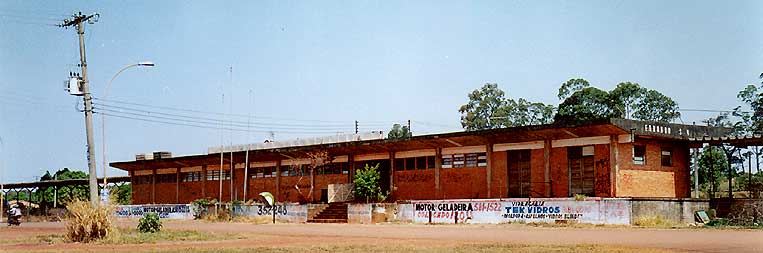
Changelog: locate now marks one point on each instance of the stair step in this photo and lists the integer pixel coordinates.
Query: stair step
(327, 221)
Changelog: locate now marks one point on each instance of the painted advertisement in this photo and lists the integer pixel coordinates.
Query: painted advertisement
(593, 211)
(284, 212)
(168, 211)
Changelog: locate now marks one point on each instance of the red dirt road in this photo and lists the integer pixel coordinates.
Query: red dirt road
(701, 240)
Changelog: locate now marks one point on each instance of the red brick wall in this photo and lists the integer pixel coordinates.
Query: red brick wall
(323, 181)
(414, 184)
(499, 176)
(559, 172)
(652, 179)
(190, 191)
(602, 184)
(537, 168)
(459, 183)
(141, 194)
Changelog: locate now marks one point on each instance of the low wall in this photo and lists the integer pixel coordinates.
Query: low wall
(167, 211)
(284, 212)
(676, 210)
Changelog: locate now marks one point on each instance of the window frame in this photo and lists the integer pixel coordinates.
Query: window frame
(669, 155)
(636, 161)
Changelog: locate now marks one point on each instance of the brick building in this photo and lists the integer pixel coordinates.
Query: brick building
(611, 158)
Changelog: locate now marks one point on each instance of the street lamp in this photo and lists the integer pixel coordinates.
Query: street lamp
(103, 116)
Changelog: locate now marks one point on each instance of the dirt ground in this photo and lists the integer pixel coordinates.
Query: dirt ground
(279, 236)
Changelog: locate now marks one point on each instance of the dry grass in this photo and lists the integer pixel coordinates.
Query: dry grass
(654, 222)
(86, 223)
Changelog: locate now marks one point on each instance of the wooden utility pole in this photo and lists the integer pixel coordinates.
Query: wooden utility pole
(78, 20)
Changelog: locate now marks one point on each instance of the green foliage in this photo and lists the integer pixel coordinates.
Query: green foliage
(399, 133)
(628, 100)
(571, 86)
(488, 108)
(712, 162)
(65, 194)
(654, 106)
(367, 183)
(588, 104)
(751, 112)
(149, 223)
(122, 193)
(626, 95)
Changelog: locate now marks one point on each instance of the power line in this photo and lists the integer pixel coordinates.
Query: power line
(214, 113)
(219, 119)
(203, 126)
(212, 121)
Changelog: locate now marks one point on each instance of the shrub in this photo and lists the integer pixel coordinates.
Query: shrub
(580, 197)
(150, 223)
(86, 223)
(201, 207)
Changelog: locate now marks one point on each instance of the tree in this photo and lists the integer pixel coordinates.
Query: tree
(64, 194)
(711, 162)
(399, 133)
(571, 86)
(587, 104)
(626, 95)
(655, 106)
(752, 99)
(366, 183)
(488, 108)
(484, 103)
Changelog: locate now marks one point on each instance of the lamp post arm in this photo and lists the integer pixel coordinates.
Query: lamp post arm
(103, 120)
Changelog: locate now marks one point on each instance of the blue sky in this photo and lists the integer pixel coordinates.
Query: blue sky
(314, 67)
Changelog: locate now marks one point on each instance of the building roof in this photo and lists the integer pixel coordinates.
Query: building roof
(454, 139)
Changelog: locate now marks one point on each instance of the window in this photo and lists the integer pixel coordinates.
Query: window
(190, 176)
(470, 160)
(447, 161)
(166, 178)
(215, 175)
(421, 163)
(639, 154)
(295, 170)
(142, 180)
(666, 157)
(430, 162)
(410, 163)
(458, 161)
(399, 164)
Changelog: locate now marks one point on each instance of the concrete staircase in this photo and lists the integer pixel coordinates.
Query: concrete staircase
(334, 213)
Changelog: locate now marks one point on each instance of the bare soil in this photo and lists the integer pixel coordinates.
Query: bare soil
(401, 237)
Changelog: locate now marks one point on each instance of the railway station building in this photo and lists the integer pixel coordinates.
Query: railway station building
(609, 158)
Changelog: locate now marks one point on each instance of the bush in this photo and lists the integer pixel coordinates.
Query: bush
(150, 223)
(201, 207)
(580, 197)
(86, 223)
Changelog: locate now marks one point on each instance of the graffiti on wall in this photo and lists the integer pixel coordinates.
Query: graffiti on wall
(602, 184)
(182, 211)
(284, 212)
(598, 211)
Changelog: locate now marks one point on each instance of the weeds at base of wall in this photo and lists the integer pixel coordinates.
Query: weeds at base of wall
(654, 222)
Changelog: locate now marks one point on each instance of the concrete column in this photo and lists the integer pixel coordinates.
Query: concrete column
(391, 173)
(489, 168)
(153, 185)
(278, 179)
(351, 163)
(437, 168)
(203, 181)
(547, 168)
(177, 186)
(614, 154)
(696, 173)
